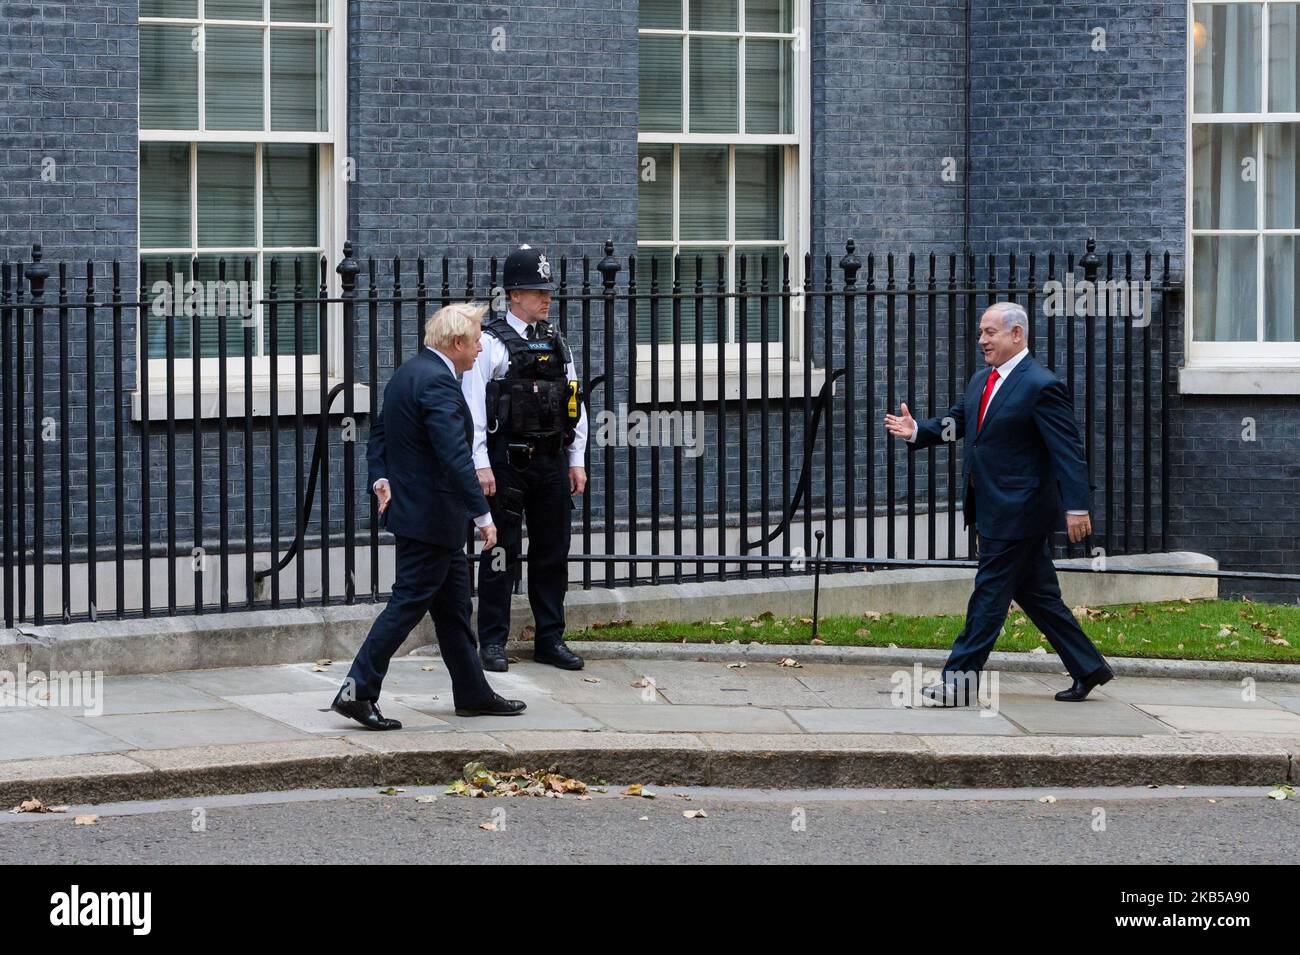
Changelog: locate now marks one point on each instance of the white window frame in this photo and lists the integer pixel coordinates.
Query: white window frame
(1257, 367)
(796, 192)
(332, 226)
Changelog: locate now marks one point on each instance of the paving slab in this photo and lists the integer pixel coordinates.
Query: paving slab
(1089, 718)
(1263, 720)
(933, 719)
(303, 711)
(681, 718)
(33, 732)
(1181, 692)
(244, 681)
(542, 714)
(197, 728)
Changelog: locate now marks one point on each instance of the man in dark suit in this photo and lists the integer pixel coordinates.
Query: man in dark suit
(420, 469)
(1025, 477)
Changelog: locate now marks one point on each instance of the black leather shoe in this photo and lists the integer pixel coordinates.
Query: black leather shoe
(497, 706)
(558, 656)
(494, 657)
(1079, 692)
(365, 713)
(950, 694)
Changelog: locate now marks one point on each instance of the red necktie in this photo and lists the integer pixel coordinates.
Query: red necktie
(988, 393)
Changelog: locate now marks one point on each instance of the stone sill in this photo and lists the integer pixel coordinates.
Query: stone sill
(1256, 379)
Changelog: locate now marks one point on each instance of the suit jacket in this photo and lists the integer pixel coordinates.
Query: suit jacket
(1025, 467)
(420, 442)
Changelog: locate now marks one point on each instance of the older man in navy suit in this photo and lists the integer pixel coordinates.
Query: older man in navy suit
(421, 471)
(1025, 477)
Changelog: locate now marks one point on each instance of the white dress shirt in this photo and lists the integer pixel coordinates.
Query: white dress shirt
(1004, 369)
(482, 520)
(492, 363)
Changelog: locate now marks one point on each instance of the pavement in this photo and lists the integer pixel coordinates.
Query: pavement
(686, 720)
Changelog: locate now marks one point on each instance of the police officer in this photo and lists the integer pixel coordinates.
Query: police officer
(530, 435)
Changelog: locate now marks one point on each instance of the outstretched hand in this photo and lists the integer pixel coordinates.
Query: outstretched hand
(902, 425)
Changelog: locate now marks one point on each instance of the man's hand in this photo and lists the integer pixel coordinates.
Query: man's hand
(1078, 526)
(488, 535)
(577, 480)
(487, 481)
(384, 493)
(902, 426)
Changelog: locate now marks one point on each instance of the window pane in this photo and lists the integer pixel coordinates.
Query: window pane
(768, 16)
(1281, 205)
(707, 303)
(1226, 44)
(232, 297)
(654, 209)
(165, 301)
(758, 193)
(1223, 303)
(1281, 309)
(226, 184)
(1224, 175)
(1283, 63)
(703, 191)
(285, 319)
(290, 214)
(659, 73)
(232, 10)
(164, 195)
(715, 15)
(301, 11)
(713, 85)
(768, 95)
(169, 8)
(661, 14)
(707, 306)
(654, 264)
(754, 259)
(233, 84)
(298, 84)
(169, 78)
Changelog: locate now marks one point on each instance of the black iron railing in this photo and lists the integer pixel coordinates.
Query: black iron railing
(784, 378)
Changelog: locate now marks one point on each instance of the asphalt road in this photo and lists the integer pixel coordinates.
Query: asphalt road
(739, 826)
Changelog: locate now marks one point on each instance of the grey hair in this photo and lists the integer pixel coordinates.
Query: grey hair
(1013, 315)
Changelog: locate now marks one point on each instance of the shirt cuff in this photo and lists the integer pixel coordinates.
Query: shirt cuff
(375, 487)
(1077, 513)
(912, 438)
(481, 460)
(577, 457)
(483, 520)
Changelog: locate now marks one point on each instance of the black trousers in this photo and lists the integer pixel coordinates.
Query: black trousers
(434, 581)
(1019, 570)
(548, 510)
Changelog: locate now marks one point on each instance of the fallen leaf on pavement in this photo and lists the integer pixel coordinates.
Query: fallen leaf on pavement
(35, 805)
(1283, 792)
(736, 666)
(694, 814)
(426, 669)
(1047, 799)
(637, 789)
(391, 791)
(788, 662)
(488, 826)
(85, 820)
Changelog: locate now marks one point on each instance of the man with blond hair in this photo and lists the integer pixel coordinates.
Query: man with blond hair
(422, 473)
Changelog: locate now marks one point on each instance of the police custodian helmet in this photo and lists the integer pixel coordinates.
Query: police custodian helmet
(526, 268)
